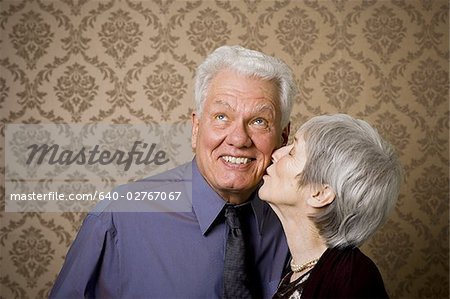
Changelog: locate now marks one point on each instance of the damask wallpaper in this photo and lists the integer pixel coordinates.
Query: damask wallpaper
(132, 62)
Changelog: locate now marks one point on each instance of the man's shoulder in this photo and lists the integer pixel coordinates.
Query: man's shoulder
(182, 173)
(169, 191)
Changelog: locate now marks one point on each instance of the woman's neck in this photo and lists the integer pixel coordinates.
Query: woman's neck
(304, 241)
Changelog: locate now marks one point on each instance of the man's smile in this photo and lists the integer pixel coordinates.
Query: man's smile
(237, 160)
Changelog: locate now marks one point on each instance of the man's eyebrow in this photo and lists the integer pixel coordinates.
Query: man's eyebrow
(264, 107)
(223, 103)
(259, 108)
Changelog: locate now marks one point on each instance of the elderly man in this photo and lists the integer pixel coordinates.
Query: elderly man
(230, 244)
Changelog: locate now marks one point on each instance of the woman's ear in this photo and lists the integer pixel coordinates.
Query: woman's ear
(321, 196)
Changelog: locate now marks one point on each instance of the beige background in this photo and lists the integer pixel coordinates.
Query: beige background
(132, 62)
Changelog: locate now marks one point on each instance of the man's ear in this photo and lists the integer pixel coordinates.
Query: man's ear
(321, 196)
(285, 134)
(195, 122)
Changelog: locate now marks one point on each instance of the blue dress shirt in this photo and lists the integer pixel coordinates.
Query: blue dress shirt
(120, 254)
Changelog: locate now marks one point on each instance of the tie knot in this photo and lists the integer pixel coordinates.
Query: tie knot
(231, 216)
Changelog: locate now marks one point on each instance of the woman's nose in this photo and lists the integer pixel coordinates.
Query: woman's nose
(282, 151)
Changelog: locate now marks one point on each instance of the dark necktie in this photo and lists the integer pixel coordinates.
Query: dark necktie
(235, 275)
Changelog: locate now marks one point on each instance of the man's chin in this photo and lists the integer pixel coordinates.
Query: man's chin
(240, 184)
(237, 193)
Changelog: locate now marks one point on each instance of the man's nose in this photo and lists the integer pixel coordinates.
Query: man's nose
(239, 137)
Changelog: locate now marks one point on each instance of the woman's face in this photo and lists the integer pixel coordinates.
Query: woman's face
(281, 183)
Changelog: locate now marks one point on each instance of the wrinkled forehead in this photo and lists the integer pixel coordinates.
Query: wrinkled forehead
(299, 136)
(301, 141)
(235, 104)
(233, 89)
(274, 82)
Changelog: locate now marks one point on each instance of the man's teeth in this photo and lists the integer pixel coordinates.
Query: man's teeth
(236, 160)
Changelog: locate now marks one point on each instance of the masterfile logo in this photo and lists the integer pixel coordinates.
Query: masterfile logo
(70, 167)
(94, 156)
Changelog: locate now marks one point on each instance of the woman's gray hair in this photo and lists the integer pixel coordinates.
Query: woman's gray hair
(362, 169)
(249, 63)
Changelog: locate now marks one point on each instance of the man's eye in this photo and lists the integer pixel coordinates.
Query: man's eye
(221, 117)
(260, 122)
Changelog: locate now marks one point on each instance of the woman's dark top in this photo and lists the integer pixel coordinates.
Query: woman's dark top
(340, 273)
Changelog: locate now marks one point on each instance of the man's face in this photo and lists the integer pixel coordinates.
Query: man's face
(236, 134)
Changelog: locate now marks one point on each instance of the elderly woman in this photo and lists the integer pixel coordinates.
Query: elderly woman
(332, 189)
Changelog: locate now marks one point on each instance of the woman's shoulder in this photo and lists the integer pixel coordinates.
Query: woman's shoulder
(351, 257)
(345, 272)
(351, 263)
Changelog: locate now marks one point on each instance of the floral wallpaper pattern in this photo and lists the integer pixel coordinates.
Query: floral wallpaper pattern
(130, 62)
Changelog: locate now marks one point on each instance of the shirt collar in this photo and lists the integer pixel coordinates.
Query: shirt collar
(207, 204)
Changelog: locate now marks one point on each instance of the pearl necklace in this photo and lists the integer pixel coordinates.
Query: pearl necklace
(299, 268)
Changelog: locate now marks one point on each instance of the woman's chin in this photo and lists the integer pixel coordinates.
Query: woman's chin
(264, 194)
